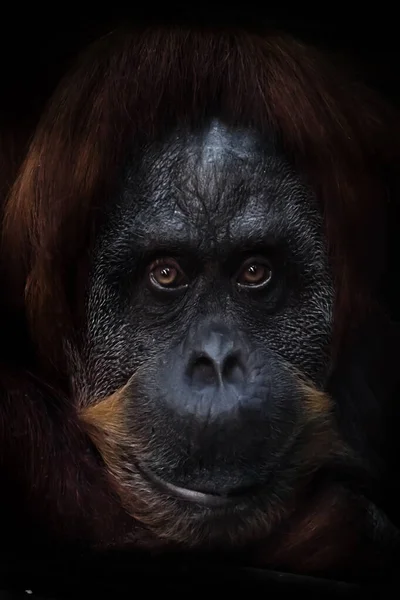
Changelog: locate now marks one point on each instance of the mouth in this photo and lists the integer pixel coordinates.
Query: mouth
(195, 496)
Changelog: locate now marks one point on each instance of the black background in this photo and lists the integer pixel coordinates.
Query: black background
(37, 48)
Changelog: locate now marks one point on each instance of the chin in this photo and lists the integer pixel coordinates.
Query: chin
(197, 486)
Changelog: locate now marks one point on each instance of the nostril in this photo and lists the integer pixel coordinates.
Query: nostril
(203, 372)
(232, 371)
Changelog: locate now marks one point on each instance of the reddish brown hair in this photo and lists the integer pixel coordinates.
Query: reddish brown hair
(133, 84)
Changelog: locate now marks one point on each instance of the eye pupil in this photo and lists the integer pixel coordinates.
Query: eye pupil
(253, 270)
(166, 273)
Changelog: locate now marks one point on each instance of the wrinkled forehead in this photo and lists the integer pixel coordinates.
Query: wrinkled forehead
(222, 180)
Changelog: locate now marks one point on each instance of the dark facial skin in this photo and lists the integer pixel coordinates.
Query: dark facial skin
(211, 286)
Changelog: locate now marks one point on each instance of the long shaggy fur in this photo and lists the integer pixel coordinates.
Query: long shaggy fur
(136, 85)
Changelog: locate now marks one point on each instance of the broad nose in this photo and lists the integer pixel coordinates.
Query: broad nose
(217, 360)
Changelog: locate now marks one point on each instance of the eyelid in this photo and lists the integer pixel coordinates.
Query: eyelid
(253, 258)
(168, 261)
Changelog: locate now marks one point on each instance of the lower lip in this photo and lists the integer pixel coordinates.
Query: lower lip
(193, 496)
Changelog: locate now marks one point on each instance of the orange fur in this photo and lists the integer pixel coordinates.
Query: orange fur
(132, 86)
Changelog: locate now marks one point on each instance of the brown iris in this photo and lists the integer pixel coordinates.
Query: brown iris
(166, 274)
(255, 272)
